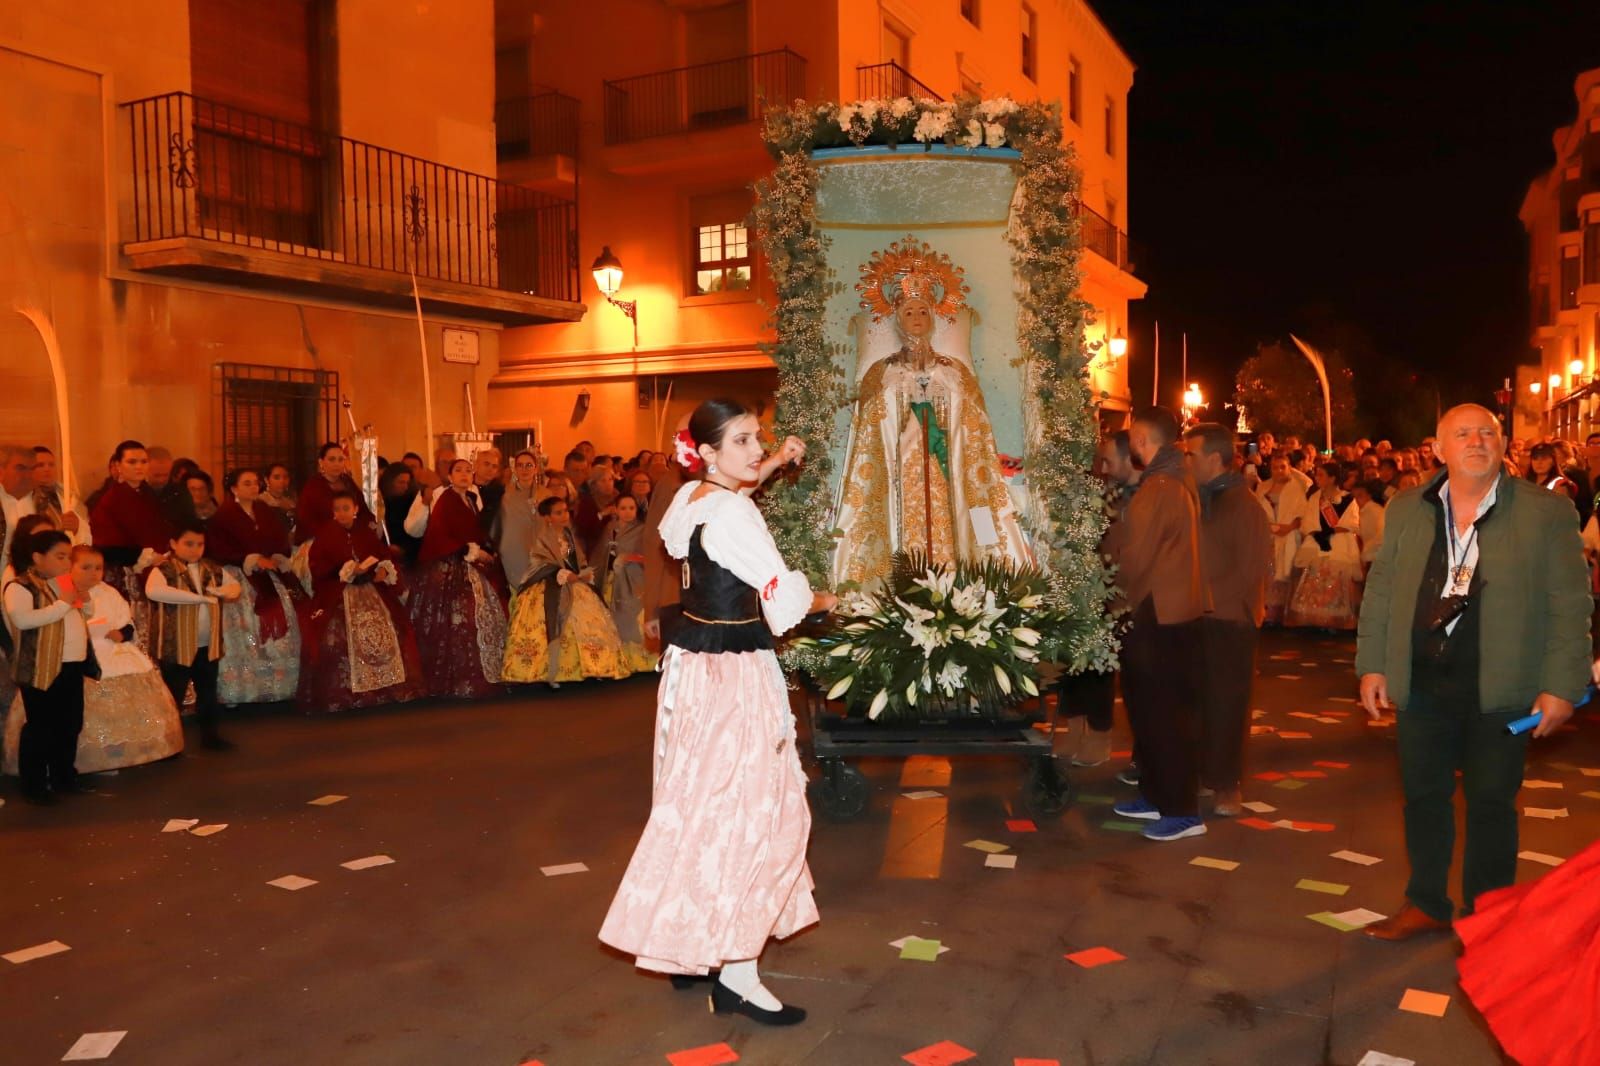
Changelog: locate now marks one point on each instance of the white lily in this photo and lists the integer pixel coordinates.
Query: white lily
(1028, 686)
(841, 686)
(1030, 637)
(1002, 678)
(911, 694)
(841, 651)
(917, 614)
(879, 702)
(1030, 601)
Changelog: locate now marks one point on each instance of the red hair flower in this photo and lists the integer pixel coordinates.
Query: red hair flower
(685, 452)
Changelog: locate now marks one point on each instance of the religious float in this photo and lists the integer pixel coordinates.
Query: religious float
(930, 350)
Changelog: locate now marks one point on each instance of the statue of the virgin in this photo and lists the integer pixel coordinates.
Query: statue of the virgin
(921, 472)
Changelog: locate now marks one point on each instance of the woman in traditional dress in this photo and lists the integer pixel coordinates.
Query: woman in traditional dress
(278, 493)
(357, 647)
(261, 629)
(129, 527)
(559, 629)
(1328, 593)
(314, 508)
(456, 609)
(721, 866)
(1285, 502)
(128, 715)
(519, 516)
(622, 584)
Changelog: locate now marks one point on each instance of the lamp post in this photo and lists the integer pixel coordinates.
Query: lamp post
(1193, 400)
(1118, 345)
(607, 269)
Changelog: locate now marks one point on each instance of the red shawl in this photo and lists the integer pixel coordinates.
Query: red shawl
(314, 507)
(126, 517)
(232, 534)
(451, 527)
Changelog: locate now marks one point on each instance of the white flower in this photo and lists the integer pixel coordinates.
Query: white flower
(993, 109)
(1028, 636)
(1027, 655)
(911, 694)
(932, 126)
(1030, 601)
(917, 614)
(994, 136)
(939, 582)
(1028, 686)
(902, 107)
(974, 137)
(868, 108)
(879, 702)
(951, 678)
(925, 637)
(968, 601)
(841, 686)
(1002, 678)
(841, 651)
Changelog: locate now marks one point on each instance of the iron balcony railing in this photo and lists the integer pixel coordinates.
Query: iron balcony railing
(703, 96)
(207, 170)
(885, 81)
(543, 124)
(1101, 236)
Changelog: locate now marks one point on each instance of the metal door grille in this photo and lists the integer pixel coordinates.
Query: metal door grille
(274, 414)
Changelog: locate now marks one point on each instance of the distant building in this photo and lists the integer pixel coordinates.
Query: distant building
(667, 96)
(1561, 213)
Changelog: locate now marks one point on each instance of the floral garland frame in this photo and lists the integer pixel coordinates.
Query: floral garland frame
(1053, 356)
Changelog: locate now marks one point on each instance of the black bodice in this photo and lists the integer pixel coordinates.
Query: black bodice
(716, 612)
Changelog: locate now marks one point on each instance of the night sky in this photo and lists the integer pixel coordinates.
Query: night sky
(1361, 163)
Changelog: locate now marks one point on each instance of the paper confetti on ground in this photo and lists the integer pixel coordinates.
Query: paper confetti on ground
(987, 845)
(1539, 856)
(326, 801)
(292, 883)
(1378, 1058)
(1328, 919)
(367, 863)
(1021, 825)
(1089, 958)
(1293, 735)
(38, 951)
(1308, 775)
(1213, 864)
(1326, 887)
(1270, 775)
(944, 1053)
(1590, 795)
(925, 794)
(1256, 823)
(900, 945)
(180, 825)
(1543, 784)
(1118, 826)
(1289, 785)
(1332, 765)
(1360, 917)
(94, 1046)
(918, 949)
(1419, 1002)
(1545, 812)
(709, 1055)
(1357, 858)
(208, 830)
(564, 868)
(1258, 807)
(1001, 862)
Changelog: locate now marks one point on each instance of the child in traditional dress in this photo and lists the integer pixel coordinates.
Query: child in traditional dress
(186, 591)
(559, 629)
(358, 649)
(50, 660)
(128, 714)
(261, 647)
(622, 542)
(721, 866)
(129, 525)
(456, 609)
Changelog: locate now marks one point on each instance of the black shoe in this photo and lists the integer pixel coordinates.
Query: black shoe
(78, 787)
(685, 982)
(41, 797)
(213, 742)
(725, 1000)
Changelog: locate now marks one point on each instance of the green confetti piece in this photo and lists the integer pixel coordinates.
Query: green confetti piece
(1118, 826)
(1327, 887)
(1290, 783)
(1326, 918)
(919, 950)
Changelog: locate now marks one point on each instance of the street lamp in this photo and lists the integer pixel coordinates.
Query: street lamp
(1119, 345)
(1555, 382)
(1536, 387)
(1192, 401)
(1575, 367)
(607, 269)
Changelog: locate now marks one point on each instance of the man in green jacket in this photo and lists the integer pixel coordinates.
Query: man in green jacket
(1476, 613)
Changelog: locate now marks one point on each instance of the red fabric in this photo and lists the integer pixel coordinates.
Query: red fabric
(125, 517)
(1532, 964)
(232, 534)
(313, 509)
(452, 525)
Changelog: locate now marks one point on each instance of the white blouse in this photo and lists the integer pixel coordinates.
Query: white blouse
(736, 538)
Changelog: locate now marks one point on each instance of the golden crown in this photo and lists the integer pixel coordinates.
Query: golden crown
(910, 270)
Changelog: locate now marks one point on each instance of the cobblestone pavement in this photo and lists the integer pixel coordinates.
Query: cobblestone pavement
(461, 952)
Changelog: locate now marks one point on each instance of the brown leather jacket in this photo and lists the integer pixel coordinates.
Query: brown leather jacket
(1157, 547)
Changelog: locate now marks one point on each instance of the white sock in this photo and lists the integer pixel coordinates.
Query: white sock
(744, 979)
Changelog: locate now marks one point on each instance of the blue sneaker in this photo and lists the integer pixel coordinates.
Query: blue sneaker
(1139, 808)
(1175, 829)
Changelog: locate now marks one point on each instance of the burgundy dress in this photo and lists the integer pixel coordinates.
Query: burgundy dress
(261, 659)
(313, 509)
(357, 647)
(124, 522)
(458, 608)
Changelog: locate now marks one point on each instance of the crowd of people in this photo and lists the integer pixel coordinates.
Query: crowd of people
(152, 593)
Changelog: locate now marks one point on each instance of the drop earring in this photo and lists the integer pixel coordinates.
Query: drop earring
(712, 469)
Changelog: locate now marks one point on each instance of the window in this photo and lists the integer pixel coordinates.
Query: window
(896, 44)
(1569, 280)
(1075, 90)
(722, 259)
(1111, 127)
(1591, 250)
(969, 11)
(271, 414)
(1030, 43)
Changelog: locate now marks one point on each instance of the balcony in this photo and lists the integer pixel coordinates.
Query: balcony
(886, 81)
(705, 96)
(536, 142)
(1103, 238)
(225, 195)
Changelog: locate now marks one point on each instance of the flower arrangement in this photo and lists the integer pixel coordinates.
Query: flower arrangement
(1060, 431)
(944, 641)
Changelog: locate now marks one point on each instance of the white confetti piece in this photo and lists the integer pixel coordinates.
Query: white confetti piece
(1003, 862)
(1258, 807)
(367, 863)
(1378, 1058)
(925, 794)
(94, 1046)
(180, 825)
(1357, 858)
(1543, 784)
(326, 801)
(566, 868)
(1360, 917)
(208, 830)
(38, 951)
(292, 883)
(1539, 856)
(1545, 812)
